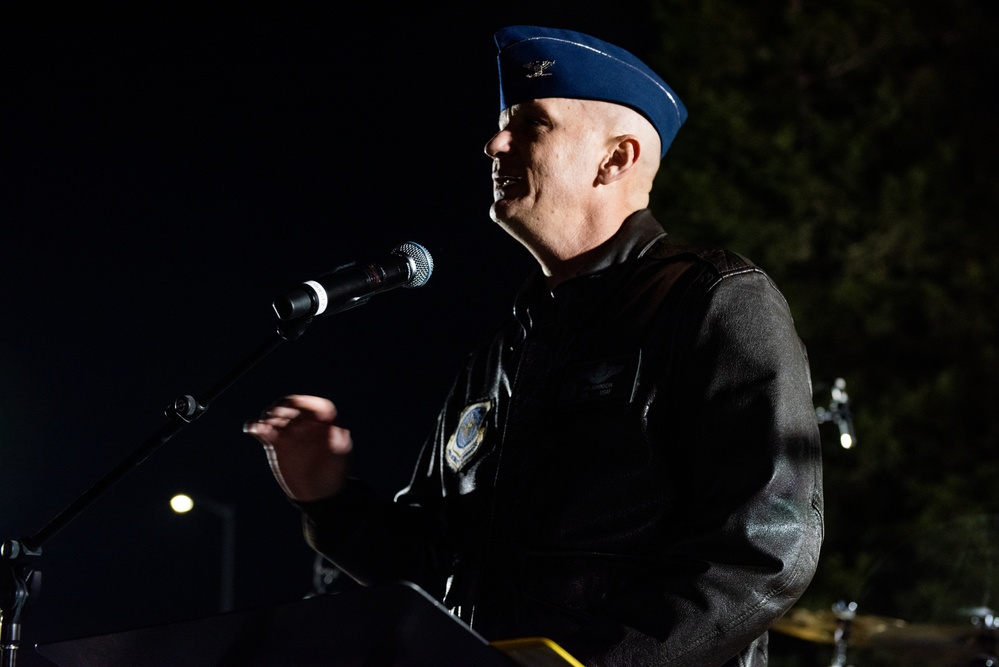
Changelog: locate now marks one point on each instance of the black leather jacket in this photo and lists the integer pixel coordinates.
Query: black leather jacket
(629, 467)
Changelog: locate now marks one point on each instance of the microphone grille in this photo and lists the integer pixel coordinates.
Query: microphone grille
(422, 262)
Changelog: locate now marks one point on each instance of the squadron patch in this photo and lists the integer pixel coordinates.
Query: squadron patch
(604, 380)
(468, 436)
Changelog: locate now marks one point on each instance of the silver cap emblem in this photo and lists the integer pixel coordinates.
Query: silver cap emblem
(538, 68)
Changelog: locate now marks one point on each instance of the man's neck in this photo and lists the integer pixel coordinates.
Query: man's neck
(580, 252)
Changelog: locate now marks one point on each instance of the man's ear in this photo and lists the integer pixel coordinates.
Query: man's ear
(623, 156)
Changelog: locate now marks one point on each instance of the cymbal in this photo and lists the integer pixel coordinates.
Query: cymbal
(958, 643)
(820, 626)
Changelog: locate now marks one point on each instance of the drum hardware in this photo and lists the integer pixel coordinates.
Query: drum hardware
(971, 644)
(838, 412)
(840, 626)
(982, 618)
(846, 614)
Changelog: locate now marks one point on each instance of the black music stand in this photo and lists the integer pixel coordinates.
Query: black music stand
(395, 625)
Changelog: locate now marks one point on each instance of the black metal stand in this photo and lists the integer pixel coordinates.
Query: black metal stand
(20, 579)
(839, 413)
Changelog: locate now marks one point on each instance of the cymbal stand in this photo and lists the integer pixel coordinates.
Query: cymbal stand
(986, 622)
(839, 413)
(845, 613)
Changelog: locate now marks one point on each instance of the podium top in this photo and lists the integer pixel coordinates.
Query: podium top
(395, 625)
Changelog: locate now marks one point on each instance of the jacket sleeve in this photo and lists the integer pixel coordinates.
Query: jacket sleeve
(741, 429)
(375, 540)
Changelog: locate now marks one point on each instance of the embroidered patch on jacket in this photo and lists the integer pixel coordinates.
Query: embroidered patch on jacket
(603, 380)
(468, 436)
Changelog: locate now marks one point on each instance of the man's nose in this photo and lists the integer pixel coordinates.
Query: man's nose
(500, 143)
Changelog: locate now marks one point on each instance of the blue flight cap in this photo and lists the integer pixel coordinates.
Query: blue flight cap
(535, 63)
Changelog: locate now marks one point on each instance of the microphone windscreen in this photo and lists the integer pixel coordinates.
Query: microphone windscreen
(422, 262)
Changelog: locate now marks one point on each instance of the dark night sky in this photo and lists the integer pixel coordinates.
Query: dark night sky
(162, 182)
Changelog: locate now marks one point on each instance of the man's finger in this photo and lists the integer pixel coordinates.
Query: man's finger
(321, 409)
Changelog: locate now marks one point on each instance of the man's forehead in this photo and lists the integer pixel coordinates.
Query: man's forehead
(559, 106)
(528, 105)
(517, 109)
(546, 106)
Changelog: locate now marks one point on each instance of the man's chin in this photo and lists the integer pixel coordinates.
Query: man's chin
(500, 211)
(508, 209)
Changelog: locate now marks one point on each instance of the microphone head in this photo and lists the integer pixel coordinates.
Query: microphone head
(420, 261)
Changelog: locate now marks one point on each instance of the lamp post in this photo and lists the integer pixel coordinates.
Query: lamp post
(182, 504)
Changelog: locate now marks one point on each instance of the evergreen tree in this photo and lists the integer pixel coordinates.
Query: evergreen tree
(848, 149)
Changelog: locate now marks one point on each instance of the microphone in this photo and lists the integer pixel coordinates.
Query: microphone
(408, 265)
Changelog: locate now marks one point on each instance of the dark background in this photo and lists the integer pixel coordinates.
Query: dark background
(163, 182)
(167, 173)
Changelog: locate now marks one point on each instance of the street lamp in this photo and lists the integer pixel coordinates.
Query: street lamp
(182, 504)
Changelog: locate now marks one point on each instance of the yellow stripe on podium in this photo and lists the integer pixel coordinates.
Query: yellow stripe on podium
(536, 652)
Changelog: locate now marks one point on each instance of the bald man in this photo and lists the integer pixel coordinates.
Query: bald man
(630, 466)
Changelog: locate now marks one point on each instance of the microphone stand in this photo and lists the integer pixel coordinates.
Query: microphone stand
(20, 579)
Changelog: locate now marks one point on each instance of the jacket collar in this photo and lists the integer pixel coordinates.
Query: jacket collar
(637, 234)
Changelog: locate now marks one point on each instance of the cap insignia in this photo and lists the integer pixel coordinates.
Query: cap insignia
(538, 68)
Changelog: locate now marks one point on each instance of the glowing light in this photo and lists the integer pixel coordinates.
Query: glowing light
(181, 503)
(846, 441)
